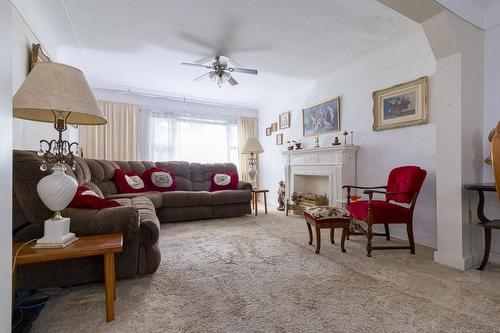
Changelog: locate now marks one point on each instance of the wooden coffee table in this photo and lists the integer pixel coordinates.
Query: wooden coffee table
(86, 246)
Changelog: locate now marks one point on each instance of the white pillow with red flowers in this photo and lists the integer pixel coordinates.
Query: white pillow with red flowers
(129, 182)
(158, 179)
(224, 181)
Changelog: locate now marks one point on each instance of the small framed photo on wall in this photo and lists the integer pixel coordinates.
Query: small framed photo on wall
(268, 131)
(284, 120)
(274, 127)
(279, 139)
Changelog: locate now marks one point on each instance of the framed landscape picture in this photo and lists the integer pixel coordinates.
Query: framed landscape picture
(284, 120)
(268, 131)
(279, 139)
(321, 118)
(401, 105)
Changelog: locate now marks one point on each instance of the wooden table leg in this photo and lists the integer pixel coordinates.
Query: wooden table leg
(487, 245)
(265, 202)
(345, 232)
(332, 235)
(318, 239)
(310, 233)
(109, 285)
(256, 199)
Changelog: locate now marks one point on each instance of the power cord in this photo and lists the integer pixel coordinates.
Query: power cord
(17, 253)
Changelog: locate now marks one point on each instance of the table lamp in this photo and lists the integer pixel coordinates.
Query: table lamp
(252, 147)
(57, 94)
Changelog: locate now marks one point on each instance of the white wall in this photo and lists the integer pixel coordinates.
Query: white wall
(27, 134)
(5, 166)
(393, 62)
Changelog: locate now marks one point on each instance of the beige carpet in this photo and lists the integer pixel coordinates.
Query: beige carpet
(260, 275)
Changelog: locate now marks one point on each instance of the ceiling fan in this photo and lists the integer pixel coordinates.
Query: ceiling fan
(220, 70)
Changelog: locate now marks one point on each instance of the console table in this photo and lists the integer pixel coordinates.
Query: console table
(485, 223)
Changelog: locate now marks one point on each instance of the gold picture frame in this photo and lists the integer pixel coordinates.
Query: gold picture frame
(329, 113)
(402, 105)
(37, 55)
(268, 131)
(284, 120)
(279, 139)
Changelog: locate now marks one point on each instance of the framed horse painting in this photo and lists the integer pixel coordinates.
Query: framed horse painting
(402, 105)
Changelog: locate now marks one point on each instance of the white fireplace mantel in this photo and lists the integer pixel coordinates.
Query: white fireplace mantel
(337, 163)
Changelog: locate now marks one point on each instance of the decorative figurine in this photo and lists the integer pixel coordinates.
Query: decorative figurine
(298, 145)
(336, 142)
(316, 142)
(345, 134)
(352, 137)
(290, 144)
(281, 196)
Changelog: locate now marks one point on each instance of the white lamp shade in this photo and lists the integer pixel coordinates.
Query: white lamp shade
(51, 87)
(252, 146)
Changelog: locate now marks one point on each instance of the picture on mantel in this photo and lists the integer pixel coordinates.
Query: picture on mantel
(321, 118)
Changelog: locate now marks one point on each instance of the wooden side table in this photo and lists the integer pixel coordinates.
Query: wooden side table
(485, 223)
(255, 199)
(86, 246)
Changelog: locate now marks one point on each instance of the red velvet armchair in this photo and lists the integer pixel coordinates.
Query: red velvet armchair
(403, 186)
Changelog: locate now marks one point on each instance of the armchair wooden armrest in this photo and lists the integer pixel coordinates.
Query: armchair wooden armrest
(371, 192)
(348, 187)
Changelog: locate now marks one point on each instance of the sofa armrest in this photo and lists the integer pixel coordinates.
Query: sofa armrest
(244, 186)
(85, 222)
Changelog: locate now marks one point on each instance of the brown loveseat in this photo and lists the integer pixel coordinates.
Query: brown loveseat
(138, 218)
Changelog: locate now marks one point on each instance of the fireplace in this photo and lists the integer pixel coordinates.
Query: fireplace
(321, 171)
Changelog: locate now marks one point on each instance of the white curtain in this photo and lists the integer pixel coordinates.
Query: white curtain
(247, 128)
(117, 140)
(188, 137)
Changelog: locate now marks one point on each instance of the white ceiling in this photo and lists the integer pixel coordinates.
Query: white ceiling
(140, 44)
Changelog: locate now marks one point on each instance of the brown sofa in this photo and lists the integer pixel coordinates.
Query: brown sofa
(138, 218)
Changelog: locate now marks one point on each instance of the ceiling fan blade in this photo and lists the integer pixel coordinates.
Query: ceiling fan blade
(232, 81)
(201, 77)
(204, 60)
(195, 65)
(244, 70)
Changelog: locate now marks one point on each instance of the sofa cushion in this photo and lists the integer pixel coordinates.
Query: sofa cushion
(129, 182)
(224, 181)
(186, 199)
(159, 179)
(230, 197)
(154, 196)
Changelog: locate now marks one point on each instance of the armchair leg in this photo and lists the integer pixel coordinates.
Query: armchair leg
(369, 236)
(387, 232)
(409, 229)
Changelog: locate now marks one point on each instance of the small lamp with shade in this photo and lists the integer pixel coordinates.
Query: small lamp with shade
(252, 147)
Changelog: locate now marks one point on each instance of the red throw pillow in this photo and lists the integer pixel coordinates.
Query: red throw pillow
(158, 179)
(129, 182)
(224, 181)
(85, 198)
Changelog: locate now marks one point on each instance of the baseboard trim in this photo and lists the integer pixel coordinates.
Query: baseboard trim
(451, 261)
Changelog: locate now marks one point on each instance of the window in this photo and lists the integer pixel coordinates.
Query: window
(193, 138)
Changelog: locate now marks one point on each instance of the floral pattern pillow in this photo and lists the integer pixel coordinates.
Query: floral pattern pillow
(158, 179)
(224, 181)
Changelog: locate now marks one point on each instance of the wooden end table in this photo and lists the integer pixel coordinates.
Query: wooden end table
(86, 246)
(485, 223)
(255, 198)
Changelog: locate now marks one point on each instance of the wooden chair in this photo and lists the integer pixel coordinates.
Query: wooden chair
(403, 187)
(495, 157)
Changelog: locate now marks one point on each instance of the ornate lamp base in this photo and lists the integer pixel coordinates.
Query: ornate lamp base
(56, 234)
